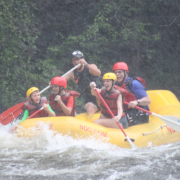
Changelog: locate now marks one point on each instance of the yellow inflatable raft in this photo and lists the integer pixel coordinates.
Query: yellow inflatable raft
(154, 133)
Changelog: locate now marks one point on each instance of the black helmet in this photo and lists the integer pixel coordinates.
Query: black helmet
(77, 54)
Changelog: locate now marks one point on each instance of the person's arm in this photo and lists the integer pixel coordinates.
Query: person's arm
(66, 110)
(140, 102)
(140, 94)
(25, 116)
(144, 101)
(50, 108)
(93, 69)
(69, 76)
(46, 108)
(119, 108)
(92, 86)
(93, 92)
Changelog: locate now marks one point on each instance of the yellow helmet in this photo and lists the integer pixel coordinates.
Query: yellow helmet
(31, 90)
(110, 76)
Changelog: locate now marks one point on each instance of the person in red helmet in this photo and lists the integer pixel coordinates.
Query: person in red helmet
(134, 93)
(85, 74)
(61, 101)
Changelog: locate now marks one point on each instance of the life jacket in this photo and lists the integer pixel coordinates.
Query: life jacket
(75, 94)
(126, 94)
(32, 108)
(111, 101)
(83, 80)
(56, 106)
(125, 89)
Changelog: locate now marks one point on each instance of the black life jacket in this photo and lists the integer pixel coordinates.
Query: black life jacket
(83, 80)
(32, 108)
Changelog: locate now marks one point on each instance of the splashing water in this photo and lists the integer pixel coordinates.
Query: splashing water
(53, 156)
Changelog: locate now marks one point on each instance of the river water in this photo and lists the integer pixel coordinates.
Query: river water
(53, 156)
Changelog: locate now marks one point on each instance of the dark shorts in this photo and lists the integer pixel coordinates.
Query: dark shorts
(135, 117)
(124, 122)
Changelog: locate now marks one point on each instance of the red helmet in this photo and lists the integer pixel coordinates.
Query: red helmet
(121, 65)
(60, 81)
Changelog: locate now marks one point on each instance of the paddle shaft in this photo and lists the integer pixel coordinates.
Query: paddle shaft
(137, 107)
(61, 76)
(109, 111)
(128, 139)
(35, 113)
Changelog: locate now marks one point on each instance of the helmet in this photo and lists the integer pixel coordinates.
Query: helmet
(121, 65)
(30, 91)
(110, 76)
(77, 54)
(60, 81)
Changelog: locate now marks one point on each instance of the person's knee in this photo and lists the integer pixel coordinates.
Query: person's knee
(88, 105)
(97, 122)
(90, 108)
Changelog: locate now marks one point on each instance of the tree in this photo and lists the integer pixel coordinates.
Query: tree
(20, 69)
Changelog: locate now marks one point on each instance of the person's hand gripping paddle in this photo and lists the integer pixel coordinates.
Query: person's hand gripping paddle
(128, 139)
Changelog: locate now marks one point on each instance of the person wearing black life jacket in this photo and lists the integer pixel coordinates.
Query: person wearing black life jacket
(134, 93)
(61, 101)
(113, 99)
(35, 103)
(85, 74)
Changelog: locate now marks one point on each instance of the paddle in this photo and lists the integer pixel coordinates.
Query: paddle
(171, 121)
(61, 76)
(13, 112)
(15, 125)
(35, 113)
(128, 139)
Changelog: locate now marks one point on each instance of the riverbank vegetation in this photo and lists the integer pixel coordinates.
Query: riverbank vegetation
(38, 37)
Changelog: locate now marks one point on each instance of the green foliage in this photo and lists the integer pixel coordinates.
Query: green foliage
(19, 68)
(38, 37)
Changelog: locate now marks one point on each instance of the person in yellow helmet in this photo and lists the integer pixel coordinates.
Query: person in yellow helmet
(35, 103)
(113, 99)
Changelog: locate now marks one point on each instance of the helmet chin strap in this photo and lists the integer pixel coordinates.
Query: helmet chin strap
(60, 90)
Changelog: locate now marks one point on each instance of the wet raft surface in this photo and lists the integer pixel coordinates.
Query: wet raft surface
(154, 133)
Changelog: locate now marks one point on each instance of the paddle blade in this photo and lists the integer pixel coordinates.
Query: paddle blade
(133, 146)
(172, 121)
(10, 114)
